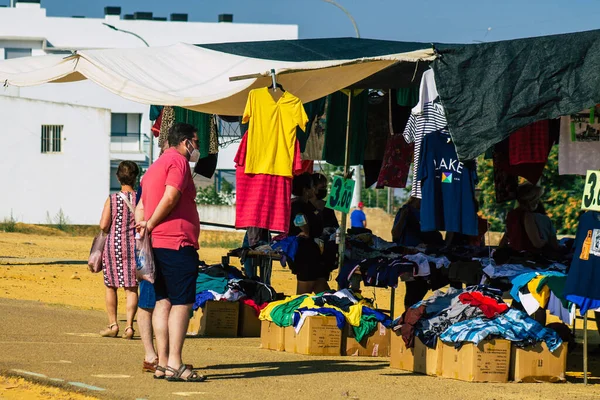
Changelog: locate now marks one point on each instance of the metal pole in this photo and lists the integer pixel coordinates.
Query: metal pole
(392, 302)
(151, 155)
(342, 245)
(585, 350)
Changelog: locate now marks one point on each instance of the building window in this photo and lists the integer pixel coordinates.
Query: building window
(125, 124)
(16, 53)
(51, 138)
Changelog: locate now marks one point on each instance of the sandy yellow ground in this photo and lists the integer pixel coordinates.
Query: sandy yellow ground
(19, 389)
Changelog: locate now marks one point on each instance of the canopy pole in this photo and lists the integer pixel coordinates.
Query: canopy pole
(342, 245)
(585, 350)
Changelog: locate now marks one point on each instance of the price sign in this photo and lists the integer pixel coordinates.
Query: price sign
(340, 197)
(591, 192)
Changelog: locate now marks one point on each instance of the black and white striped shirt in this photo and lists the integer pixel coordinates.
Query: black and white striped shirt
(432, 119)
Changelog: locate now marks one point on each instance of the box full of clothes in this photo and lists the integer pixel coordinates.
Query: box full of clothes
(347, 310)
(248, 324)
(224, 294)
(376, 344)
(487, 361)
(318, 336)
(420, 358)
(272, 337)
(475, 328)
(216, 319)
(538, 364)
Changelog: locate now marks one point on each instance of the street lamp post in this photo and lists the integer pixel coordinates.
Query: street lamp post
(114, 28)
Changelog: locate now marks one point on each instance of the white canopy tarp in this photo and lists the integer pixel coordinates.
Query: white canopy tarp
(194, 77)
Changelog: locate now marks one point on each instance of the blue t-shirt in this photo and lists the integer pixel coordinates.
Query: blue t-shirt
(357, 218)
(448, 188)
(583, 282)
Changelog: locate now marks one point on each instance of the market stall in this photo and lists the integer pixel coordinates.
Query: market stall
(473, 97)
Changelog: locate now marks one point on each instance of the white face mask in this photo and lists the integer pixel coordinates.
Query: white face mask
(194, 154)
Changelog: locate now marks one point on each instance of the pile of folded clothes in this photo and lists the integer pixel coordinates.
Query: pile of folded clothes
(470, 315)
(348, 308)
(219, 283)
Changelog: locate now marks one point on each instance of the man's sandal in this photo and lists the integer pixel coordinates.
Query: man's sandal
(177, 375)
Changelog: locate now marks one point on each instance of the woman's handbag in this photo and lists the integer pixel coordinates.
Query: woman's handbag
(95, 258)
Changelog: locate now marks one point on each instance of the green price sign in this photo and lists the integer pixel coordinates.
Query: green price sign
(340, 197)
(591, 192)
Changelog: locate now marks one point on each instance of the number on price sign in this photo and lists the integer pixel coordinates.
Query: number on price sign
(340, 197)
(591, 192)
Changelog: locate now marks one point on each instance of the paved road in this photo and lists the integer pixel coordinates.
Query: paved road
(59, 345)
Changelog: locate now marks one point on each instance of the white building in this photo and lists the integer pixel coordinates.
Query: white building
(91, 149)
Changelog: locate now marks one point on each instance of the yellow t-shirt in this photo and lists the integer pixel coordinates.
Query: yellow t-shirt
(272, 132)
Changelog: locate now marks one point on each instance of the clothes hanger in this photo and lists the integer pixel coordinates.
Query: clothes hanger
(275, 84)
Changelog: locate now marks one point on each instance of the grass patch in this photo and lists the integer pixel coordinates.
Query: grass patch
(221, 239)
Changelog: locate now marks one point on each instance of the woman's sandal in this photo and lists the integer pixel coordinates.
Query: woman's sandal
(129, 332)
(110, 332)
(176, 377)
(160, 369)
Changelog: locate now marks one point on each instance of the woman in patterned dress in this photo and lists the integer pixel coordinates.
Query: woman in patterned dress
(118, 260)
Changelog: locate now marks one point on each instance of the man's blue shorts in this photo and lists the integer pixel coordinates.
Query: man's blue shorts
(176, 274)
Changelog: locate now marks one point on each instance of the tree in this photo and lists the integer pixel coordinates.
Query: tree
(210, 196)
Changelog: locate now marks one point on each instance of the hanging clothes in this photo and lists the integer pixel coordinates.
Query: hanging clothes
(335, 134)
(583, 280)
(427, 92)
(448, 187)
(530, 144)
(272, 132)
(156, 126)
(530, 171)
(213, 143)
(579, 144)
(430, 120)
(396, 163)
(202, 123)
(314, 110)
(262, 200)
(316, 138)
(155, 111)
(407, 97)
(168, 119)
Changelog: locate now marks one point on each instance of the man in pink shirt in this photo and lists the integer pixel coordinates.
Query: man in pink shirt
(170, 216)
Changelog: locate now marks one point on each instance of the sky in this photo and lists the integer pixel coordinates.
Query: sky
(443, 21)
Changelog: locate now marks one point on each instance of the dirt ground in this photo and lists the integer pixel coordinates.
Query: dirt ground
(70, 291)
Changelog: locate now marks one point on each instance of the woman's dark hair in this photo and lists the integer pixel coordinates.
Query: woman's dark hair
(318, 178)
(301, 182)
(180, 132)
(127, 173)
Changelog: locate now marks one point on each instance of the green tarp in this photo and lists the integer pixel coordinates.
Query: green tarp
(490, 90)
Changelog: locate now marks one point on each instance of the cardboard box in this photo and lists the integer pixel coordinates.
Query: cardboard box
(217, 319)
(375, 345)
(537, 363)
(487, 362)
(319, 336)
(420, 359)
(272, 337)
(249, 324)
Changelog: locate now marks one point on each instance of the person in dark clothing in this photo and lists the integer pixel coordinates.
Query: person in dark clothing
(307, 226)
(407, 232)
(526, 228)
(330, 224)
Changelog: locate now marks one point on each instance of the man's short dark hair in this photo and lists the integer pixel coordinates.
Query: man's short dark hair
(180, 132)
(127, 173)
